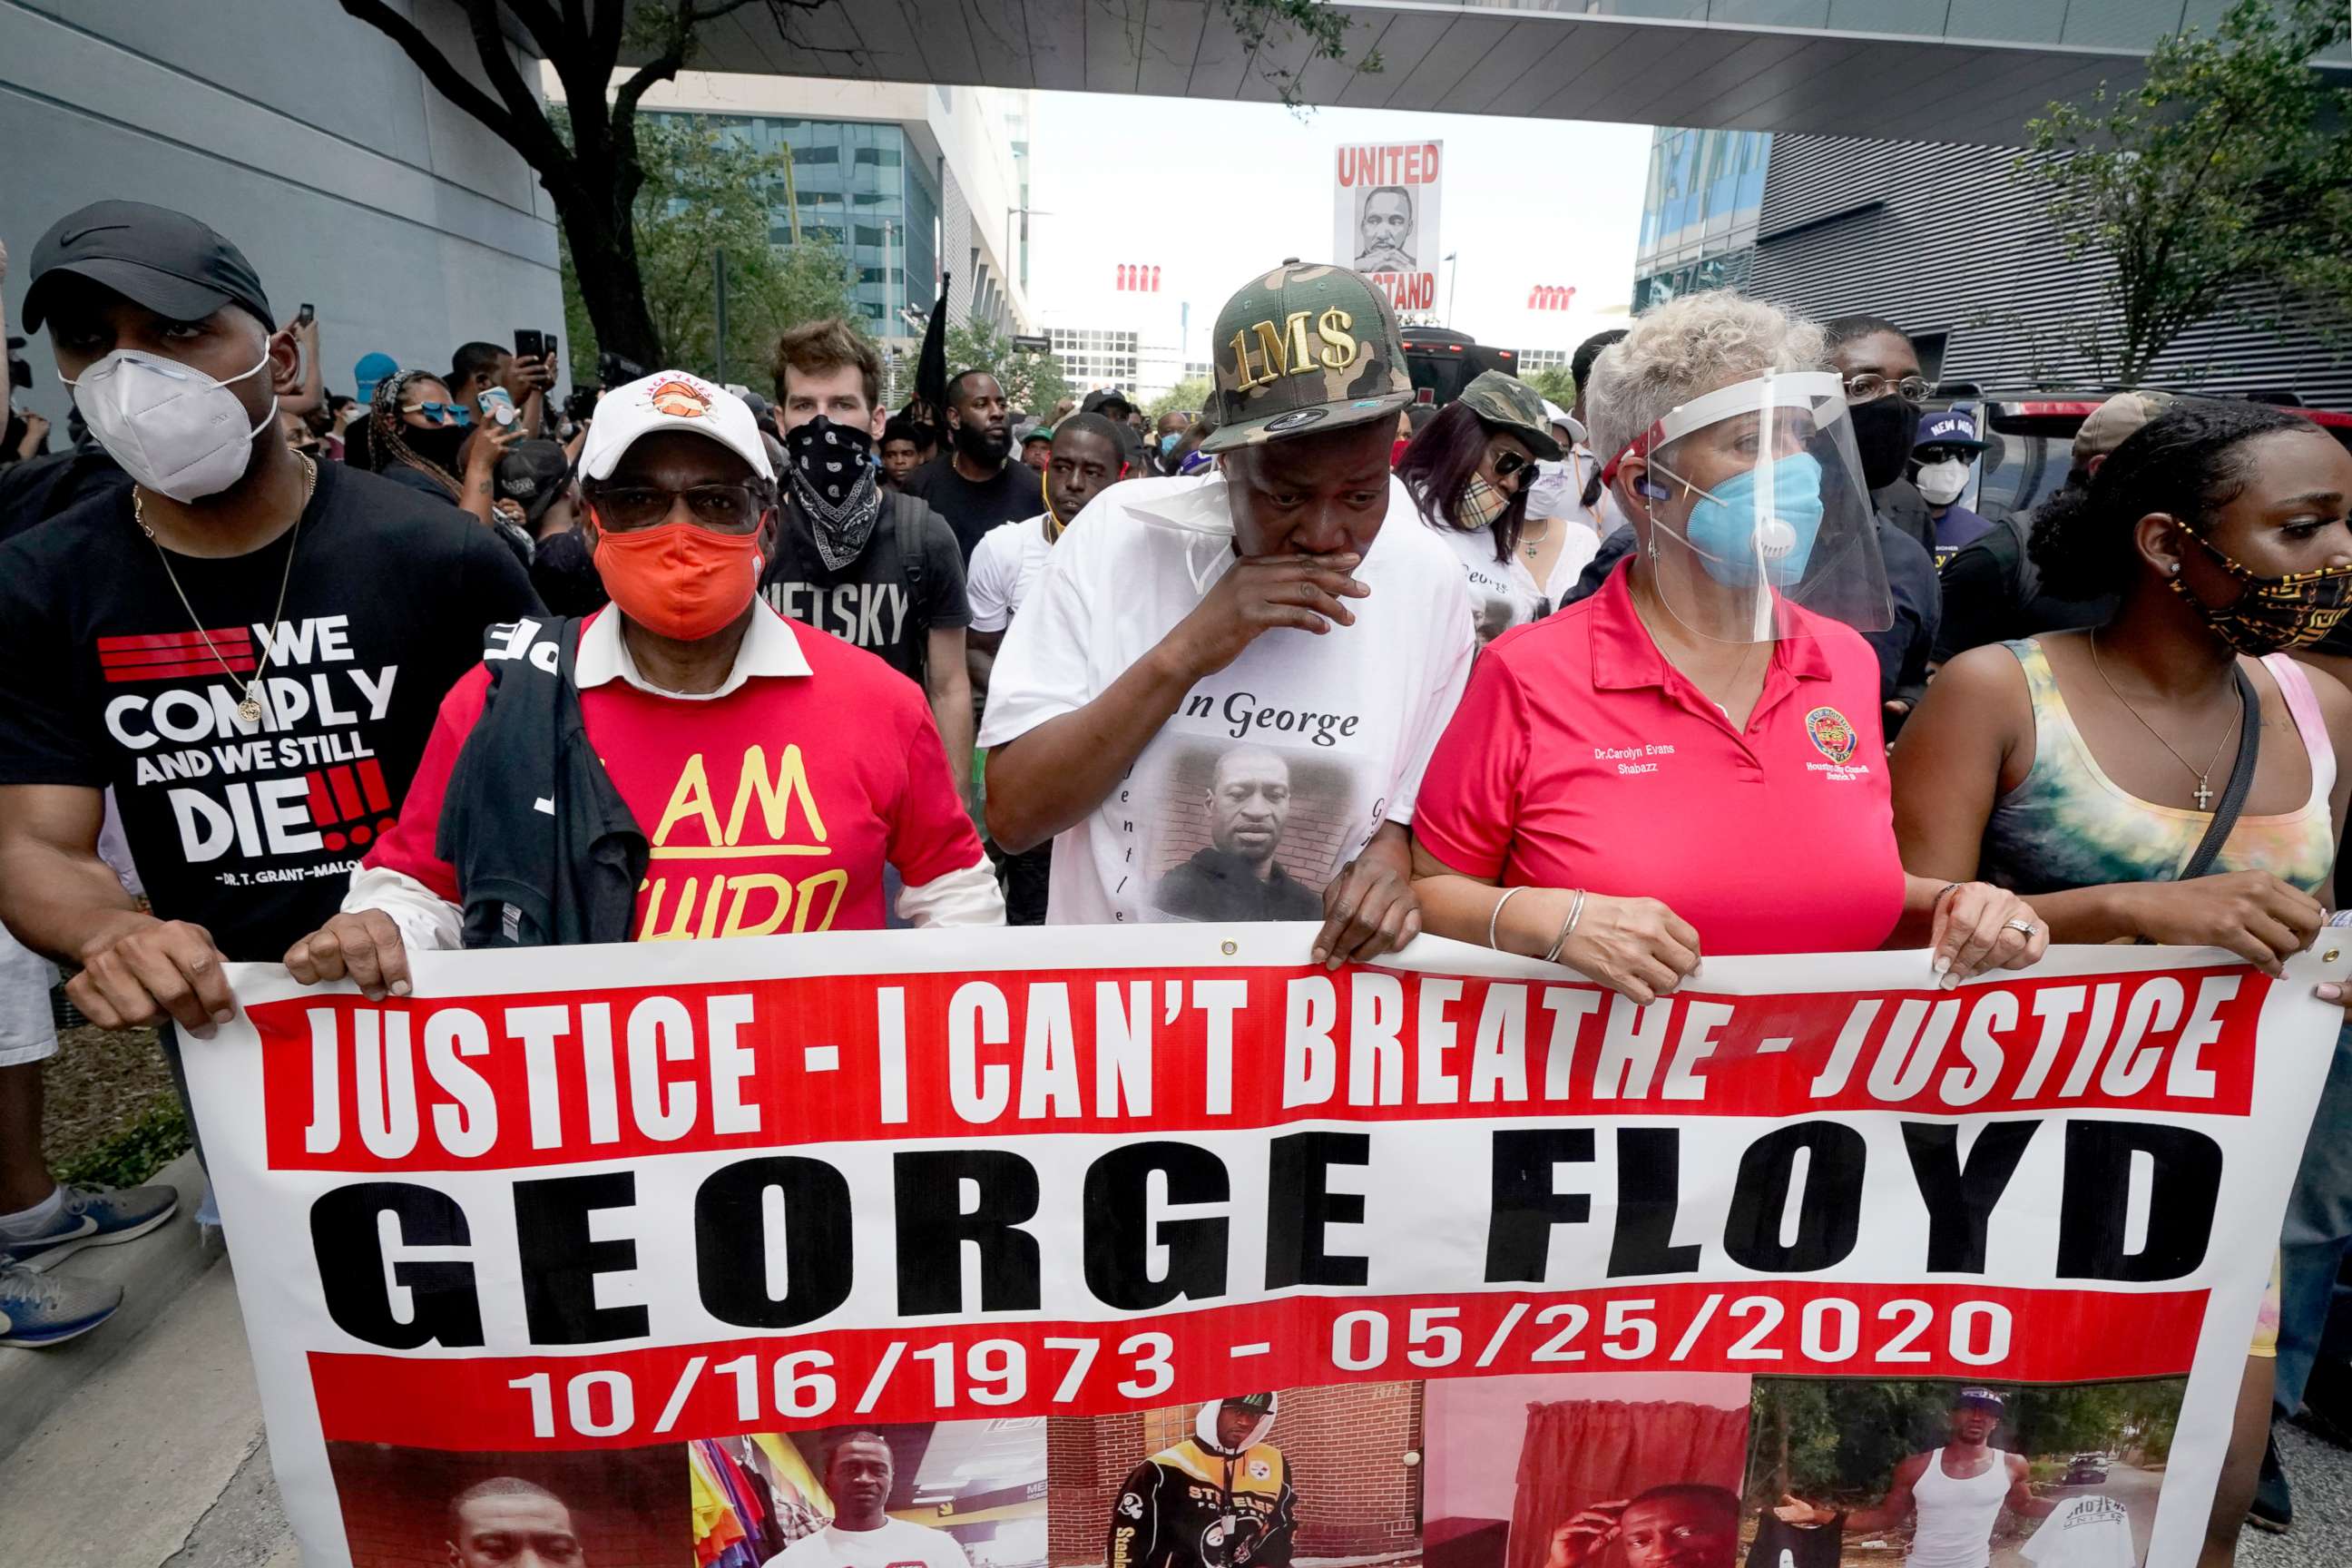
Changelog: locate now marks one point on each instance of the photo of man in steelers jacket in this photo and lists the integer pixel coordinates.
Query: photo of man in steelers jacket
(1221, 1498)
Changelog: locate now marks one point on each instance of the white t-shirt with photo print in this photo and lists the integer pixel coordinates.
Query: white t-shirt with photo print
(1304, 744)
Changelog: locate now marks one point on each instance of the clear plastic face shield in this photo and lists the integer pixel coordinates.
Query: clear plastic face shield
(1754, 502)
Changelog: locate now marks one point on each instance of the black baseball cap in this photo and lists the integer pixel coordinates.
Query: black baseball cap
(531, 473)
(167, 261)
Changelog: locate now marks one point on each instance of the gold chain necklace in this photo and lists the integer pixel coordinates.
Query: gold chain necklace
(2204, 790)
(250, 710)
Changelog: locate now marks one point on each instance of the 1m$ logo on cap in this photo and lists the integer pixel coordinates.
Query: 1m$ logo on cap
(1285, 349)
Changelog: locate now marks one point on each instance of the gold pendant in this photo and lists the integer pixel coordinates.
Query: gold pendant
(250, 710)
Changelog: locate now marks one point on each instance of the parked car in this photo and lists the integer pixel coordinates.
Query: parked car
(2085, 1471)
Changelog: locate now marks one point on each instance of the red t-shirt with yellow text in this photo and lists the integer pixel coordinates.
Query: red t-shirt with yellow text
(770, 809)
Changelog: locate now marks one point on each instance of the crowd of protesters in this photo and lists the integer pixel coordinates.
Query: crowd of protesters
(1316, 651)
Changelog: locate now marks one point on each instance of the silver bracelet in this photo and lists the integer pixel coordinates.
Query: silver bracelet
(1496, 914)
(1568, 928)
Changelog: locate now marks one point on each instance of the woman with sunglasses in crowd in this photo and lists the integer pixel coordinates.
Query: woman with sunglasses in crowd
(2106, 774)
(1469, 469)
(422, 437)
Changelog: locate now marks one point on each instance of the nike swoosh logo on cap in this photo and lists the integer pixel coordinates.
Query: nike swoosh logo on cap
(81, 233)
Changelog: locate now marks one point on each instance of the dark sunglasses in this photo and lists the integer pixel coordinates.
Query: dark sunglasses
(726, 508)
(1509, 463)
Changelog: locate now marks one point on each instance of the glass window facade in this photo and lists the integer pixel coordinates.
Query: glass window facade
(1699, 211)
(860, 186)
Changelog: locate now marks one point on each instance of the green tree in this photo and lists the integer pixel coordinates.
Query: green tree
(2229, 169)
(705, 192)
(1555, 382)
(1032, 383)
(1184, 397)
(595, 173)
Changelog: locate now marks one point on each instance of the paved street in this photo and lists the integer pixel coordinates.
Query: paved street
(2322, 1538)
(158, 1460)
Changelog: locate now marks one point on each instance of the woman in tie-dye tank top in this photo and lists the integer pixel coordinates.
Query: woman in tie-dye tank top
(2081, 768)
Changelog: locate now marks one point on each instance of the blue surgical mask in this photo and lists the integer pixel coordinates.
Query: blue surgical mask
(1743, 543)
(1168, 442)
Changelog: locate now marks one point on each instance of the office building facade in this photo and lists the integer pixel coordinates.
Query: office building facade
(911, 181)
(308, 137)
(1950, 243)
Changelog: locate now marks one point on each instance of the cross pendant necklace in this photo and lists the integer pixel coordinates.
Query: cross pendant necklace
(2203, 794)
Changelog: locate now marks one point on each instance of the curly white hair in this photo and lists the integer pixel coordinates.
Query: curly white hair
(1686, 347)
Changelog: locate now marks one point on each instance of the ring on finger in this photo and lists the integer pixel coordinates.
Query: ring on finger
(2025, 928)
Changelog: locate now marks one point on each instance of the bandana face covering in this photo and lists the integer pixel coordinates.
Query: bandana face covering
(834, 485)
(2271, 615)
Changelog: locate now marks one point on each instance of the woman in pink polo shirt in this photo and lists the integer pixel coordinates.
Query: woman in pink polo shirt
(1690, 761)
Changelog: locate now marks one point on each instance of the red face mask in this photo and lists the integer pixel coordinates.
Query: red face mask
(680, 580)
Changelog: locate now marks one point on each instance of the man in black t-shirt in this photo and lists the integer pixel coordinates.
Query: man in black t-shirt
(248, 646)
(975, 484)
(873, 566)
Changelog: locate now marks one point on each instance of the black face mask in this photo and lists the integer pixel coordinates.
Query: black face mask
(1884, 429)
(437, 443)
(984, 447)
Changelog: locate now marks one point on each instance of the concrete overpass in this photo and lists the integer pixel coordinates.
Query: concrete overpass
(1938, 71)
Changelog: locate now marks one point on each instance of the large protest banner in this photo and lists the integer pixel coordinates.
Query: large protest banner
(1385, 217)
(1175, 1252)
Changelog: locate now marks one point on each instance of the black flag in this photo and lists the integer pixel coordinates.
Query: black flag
(932, 368)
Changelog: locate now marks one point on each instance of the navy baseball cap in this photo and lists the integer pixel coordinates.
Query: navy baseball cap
(1948, 428)
(1982, 1398)
(167, 261)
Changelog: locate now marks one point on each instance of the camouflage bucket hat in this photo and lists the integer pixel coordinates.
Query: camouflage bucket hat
(1510, 402)
(1302, 350)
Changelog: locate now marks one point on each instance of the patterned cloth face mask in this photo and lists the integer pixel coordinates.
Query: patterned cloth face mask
(2271, 615)
(834, 485)
(1481, 504)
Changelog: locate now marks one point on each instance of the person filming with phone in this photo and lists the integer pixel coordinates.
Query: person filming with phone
(507, 378)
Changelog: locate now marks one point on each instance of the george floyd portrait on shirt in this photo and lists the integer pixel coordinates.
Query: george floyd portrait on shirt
(1248, 831)
(1947, 1475)
(607, 1507)
(1591, 1470)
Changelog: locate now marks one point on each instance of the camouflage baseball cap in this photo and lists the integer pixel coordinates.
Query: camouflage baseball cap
(1506, 401)
(1304, 349)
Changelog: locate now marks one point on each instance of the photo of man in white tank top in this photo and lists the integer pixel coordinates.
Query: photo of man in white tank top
(1957, 1491)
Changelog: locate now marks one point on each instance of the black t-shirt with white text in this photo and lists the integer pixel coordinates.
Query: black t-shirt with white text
(249, 828)
(881, 602)
(971, 510)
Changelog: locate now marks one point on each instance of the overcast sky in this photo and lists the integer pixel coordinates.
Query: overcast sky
(1213, 192)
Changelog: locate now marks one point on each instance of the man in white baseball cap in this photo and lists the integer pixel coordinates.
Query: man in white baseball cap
(616, 778)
